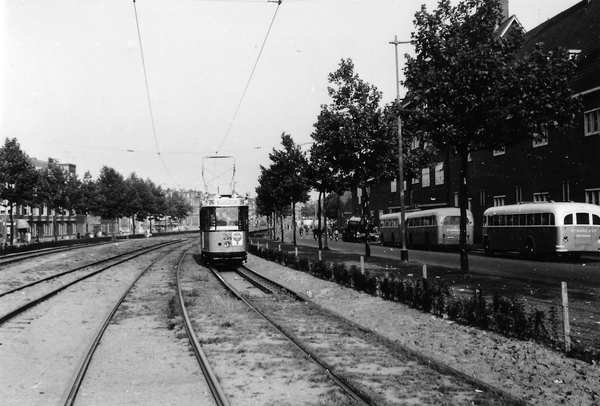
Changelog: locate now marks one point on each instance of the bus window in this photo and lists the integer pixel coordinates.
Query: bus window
(530, 221)
(537, 219)
(522, 220)
(547, 219)
(454, 220)
(595, 219)
(509, 219)
(568, 219)
(583, 218)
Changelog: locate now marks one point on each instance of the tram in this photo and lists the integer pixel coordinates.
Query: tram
(224, 228)
(223, 213)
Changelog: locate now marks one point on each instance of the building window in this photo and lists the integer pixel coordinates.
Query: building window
(482, 198)
(541, 197)
(591, 122)
(439, 174)
(592, 196)
(540, 138)
(499, 200)
(415, 143)
(499, 151)
(415, 180)
(394, 186)
(425, 176)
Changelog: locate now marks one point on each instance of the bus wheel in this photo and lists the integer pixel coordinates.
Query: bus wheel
(529, 251)
(486, 248)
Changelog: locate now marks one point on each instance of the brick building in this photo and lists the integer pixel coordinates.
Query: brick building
(556, 166)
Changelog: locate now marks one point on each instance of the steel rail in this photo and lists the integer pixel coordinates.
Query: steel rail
(71, 270)
(22, 256)
(211, 378)
(21, 309)
(423, 359)
(77, 379)
(356, 394)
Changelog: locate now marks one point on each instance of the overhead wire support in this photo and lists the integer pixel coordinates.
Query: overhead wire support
(251, 74)
(148, 93)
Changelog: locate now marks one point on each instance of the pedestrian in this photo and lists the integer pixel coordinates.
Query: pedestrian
(336, 234)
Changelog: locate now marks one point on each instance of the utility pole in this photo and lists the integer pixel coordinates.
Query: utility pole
(403, 250)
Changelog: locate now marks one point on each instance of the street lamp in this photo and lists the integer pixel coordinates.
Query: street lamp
(403, 250)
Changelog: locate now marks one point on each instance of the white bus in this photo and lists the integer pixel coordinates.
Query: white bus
(545, 227)
(435, 227)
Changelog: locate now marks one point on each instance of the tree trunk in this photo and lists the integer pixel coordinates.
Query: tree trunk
(294, 222)
(326, 245)
(463, 193)
(319, 221)
(367, 217)
(11, 235)
(281, 226)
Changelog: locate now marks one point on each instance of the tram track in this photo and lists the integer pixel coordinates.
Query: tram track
(339, 348)
(25, 256)
(46, 349)
(62, 285)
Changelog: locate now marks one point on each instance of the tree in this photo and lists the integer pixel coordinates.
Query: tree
(286, 178)
(353, 146)
(137, 196)
(84, 199)
(58, 190)
(111, 200)
(156, 205)
(471, 89)
(18, 178)
(178, 207)
(266, 200)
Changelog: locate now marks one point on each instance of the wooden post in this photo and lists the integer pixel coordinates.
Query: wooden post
(424, 271)
(362, 264)
(319, 255)
(567, 327)
(296, 249)
(279, 247)
(267, 245)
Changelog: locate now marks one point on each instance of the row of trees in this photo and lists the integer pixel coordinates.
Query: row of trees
(110, 196)
(468, 89)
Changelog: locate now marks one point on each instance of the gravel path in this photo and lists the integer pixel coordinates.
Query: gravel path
(524, 369)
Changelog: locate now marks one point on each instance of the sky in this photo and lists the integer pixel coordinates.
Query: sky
(211, 77)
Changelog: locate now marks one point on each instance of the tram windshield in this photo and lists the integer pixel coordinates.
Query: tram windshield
(224, 218)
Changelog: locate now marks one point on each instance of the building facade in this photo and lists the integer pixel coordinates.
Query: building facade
(556, 166)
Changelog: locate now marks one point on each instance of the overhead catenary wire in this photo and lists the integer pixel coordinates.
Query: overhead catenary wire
(148, 94)
(251, 75)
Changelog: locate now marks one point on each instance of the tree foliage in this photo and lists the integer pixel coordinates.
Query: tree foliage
(285, 181)
(469, 88)
(18, 177)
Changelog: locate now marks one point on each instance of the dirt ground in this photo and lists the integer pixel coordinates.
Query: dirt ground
(527, 370)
